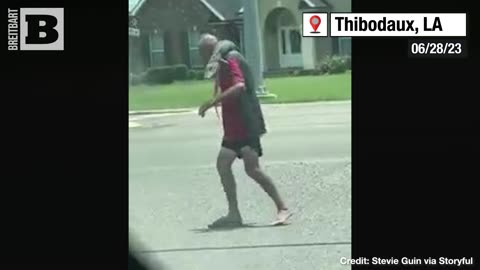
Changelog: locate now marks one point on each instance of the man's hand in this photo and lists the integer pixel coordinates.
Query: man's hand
(204, 108)
(232, 91)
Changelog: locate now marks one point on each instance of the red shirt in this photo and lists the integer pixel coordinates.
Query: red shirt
(229, 75)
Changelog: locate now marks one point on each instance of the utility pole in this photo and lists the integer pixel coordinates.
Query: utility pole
(252, 38)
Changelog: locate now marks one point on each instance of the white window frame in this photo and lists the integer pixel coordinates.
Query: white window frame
(192, 45)
(288, 59)
(152, 51)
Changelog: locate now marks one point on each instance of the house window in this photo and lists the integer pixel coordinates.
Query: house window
(193, 39)
(242, 42)
(345, 46)
(295, 41)
(157, 49)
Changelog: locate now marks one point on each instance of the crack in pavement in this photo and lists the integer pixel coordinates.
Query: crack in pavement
(152, 169)
(245, 247)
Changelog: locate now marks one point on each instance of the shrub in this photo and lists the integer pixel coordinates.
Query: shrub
(316, 72)
(196, 74)
(181, 72)
(136, 79)
(279, 73)
(160, 75)
(200, 75)
(295, 72)
(308, 72)
(333, 65)
(276, 75)
(191, 75)
(348, 62)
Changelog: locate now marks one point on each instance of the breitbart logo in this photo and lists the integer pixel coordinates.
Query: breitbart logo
(35, 29)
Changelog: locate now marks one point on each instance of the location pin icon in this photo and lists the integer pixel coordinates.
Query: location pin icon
(315, 23)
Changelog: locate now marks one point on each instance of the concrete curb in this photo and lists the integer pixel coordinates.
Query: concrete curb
(169, 111)
(185, 110)
(134, 125)
(308, 103)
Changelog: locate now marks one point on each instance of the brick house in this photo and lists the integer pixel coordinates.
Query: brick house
(166, 32)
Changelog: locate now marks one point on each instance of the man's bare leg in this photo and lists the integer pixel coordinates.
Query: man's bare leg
(225, 159)
(252, 168)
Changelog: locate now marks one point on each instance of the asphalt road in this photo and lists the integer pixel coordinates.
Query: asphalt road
(174, 192)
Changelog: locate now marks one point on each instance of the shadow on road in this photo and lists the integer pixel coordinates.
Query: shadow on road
(244, 226)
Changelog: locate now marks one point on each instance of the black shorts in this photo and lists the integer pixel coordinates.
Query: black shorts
(236, 146)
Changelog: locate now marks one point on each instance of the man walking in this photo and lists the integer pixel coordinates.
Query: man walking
(243, 124)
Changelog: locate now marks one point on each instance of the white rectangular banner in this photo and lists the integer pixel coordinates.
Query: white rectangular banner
(398, 24)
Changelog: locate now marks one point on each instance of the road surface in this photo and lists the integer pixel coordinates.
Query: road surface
(174, 192)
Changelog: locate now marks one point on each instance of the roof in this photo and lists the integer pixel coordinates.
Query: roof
(222, 9)
(308, 3)
(315, 3)
(134, 6)
(228, 9)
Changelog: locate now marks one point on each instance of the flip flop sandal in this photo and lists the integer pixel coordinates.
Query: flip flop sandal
(282, 222)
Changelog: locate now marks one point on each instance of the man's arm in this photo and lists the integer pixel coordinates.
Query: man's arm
(236, 89)
(230, 92)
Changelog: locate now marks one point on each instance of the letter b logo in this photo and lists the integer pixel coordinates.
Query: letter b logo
(41, 29)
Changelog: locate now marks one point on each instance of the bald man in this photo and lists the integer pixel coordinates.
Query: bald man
(243, 125)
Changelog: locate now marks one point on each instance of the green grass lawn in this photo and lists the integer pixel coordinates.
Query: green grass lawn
(288, 90)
